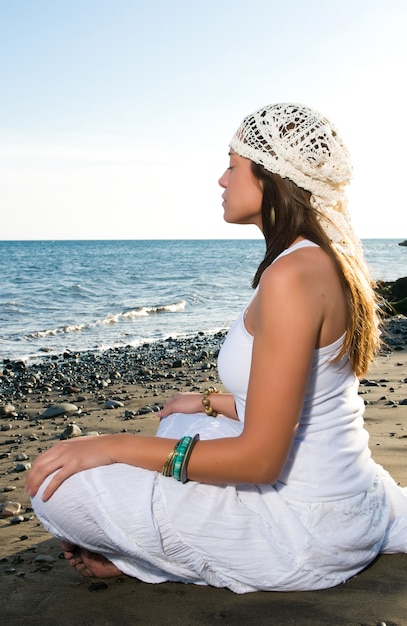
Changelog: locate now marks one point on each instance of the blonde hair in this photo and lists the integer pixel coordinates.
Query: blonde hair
(287, 213)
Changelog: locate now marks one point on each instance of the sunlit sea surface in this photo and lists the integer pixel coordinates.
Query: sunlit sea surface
(93, 295)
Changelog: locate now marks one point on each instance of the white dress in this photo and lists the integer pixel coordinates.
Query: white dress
(329, 515)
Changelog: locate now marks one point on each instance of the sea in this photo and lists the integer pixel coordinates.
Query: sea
(58, 296)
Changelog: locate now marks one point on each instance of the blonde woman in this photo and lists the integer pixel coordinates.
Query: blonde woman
(271, 486)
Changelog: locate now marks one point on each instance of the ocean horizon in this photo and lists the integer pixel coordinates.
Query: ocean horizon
(94, 295)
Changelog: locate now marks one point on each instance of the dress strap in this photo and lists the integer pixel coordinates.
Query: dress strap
(304, 243)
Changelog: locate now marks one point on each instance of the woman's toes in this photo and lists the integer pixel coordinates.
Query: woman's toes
(69, 549)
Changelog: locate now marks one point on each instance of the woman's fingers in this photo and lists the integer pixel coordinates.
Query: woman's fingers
(55, 482)
(68, 457)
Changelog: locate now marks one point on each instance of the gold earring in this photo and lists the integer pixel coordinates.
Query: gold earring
(272, 216)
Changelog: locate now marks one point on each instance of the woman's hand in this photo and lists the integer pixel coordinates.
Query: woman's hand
(187, 402)
(69, 457)
(190, 402)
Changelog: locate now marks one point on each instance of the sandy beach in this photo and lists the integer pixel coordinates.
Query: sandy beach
(120, 390)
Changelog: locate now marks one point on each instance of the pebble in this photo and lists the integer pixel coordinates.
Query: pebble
(70, 389)
(91, 371)
(21, 457)
(98, 586)
(72, 430)
(10, 508)
(60, 409)
(44, 558)
(113, 404)
(8, 409)
(145, 410)
(22, 467)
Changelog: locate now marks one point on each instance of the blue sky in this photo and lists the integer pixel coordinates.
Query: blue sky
(115, 115)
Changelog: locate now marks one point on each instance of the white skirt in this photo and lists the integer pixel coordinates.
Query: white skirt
(244, 537)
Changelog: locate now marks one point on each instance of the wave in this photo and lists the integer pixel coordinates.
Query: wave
(111, 318)
(142, 311)
(52, 332)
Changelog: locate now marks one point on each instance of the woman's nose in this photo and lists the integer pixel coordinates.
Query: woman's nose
(222, 180)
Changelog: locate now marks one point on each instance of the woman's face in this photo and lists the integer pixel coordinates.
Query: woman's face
(243, 193)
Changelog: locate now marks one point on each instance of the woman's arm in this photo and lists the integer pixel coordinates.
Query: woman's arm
(189, 402)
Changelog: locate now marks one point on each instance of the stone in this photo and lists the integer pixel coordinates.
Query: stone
(72, 430)
(60, 409)
(113, 404)
(8, 409)
(144, 410)
(23, 467)
(70, 389)
(9, 508)
(99, 585)
(21, 457)
(44, 558)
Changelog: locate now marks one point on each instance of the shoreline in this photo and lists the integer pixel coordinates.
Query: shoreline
(120, 390)
(392, 296)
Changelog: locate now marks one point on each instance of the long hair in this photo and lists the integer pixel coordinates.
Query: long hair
(287, 214)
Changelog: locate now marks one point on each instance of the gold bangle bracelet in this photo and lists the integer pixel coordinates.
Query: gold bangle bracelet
(167, 467)
(206, 403)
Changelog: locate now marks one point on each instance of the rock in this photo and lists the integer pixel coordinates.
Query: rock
(99, 585)
(72, 430)
(22, 467)
(395, 294)
(145, 410)
(7, 410)
(399, 290)
(60, 409)
(70, 389)
(178, 363)
(113, 404)
(21, 457)
(401, 306)
(9, 508)
(44, 558)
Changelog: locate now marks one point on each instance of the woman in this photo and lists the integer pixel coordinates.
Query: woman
(280, 492)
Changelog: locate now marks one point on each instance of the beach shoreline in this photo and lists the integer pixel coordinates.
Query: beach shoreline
(120, 390)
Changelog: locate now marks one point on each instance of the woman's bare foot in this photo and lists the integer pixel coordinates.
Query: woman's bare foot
(89, 564)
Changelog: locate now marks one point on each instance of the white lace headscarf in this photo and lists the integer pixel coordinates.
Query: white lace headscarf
(299, 143)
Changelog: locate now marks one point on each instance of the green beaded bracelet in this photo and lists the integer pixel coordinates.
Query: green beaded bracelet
(180, 449)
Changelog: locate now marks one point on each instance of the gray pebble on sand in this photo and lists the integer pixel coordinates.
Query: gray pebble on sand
(60, 409)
